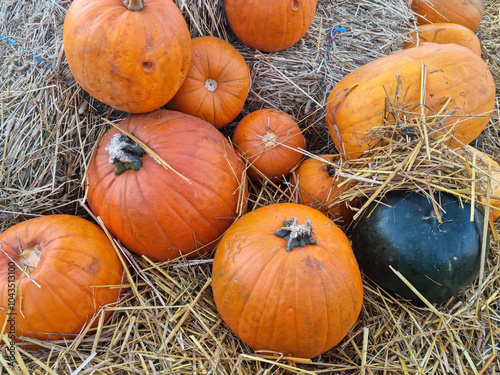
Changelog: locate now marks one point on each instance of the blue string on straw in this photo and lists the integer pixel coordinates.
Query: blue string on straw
(40, 61)
(332, 34)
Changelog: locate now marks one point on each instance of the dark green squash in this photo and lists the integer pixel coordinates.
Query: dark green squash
(403, 231)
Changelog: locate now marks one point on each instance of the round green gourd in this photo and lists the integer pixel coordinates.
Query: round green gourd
(403, 231)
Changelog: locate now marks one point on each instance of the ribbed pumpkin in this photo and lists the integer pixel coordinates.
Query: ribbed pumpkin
(217, 83)
(464, 12)
(444, 33)
(270, 140)
(317, 185)
(71, 270)
(269, 26)
(454, 73)
(285, 279)
(483, 162)
(132, 56)
(165, 212)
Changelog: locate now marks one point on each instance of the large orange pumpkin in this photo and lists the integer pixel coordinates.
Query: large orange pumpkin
(269, 26)
(285, 279)
(464, 12)
(271, 141)
(132, 56)
(357, 103)
(444, 33)
(164, 212)
(217, 83)
(318, 186)
(70, 270)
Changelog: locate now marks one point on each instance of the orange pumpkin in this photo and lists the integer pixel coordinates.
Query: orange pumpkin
(271, 141)
(454, 73)
(217, 83)
(464, 12)
(483, 162)
(164, 212)
(269, 26)
(132, 56)
(285, 279)
(444, 33)
(69, 270)
(317, 185)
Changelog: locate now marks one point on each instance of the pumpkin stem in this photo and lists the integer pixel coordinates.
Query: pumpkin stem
(330, 170)
(124, 153)
(295, 234)
(133, 4)
(29, 258)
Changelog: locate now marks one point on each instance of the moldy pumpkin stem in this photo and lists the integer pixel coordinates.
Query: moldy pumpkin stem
(295, 234)
(124, 153)
(133, 5)
(330, 170)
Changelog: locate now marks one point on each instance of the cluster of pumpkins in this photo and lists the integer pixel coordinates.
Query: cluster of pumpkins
(167, 183)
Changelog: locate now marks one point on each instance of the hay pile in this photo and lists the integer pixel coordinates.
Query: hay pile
(167, 323)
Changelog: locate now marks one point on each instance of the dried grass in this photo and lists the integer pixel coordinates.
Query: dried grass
(167, 323)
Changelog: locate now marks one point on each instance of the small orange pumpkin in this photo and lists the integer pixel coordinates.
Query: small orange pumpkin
(285, 279)
(271, 141)
(160, 211)
(317, 185)
(456, 76)
(217, 83)
(132, 56)
(69, 272)
(269, 26)
(464, 12)
(484, 161)
(444, 33)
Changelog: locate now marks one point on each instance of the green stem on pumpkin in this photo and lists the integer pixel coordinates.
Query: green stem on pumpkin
(133, 5)
(124, 154)
(295, 234)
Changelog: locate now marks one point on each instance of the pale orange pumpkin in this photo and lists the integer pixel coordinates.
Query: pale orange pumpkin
(464, 12)
(217, 83)
(271, 142)
(132, 56)
(444, 33)
(456, 76)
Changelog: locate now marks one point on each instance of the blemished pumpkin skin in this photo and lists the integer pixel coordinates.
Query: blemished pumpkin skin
(76, 267)
(485, 163)
(164, 213)
(131, 60)
(269, 26)
(270, 140)
(357, 102)
(444, 33)
(317, 185)
(464, 12)
(217, 83)
(300, 302)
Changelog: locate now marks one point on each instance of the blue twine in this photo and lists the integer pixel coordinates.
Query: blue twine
(333, 33)
(41, 61)
(29, 53)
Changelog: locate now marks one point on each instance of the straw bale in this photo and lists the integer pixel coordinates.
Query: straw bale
(167, 323)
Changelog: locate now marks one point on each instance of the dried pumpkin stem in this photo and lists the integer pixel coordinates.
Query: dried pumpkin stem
(124, 154)
(295, 234)
(133, 5)
(29, 258)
